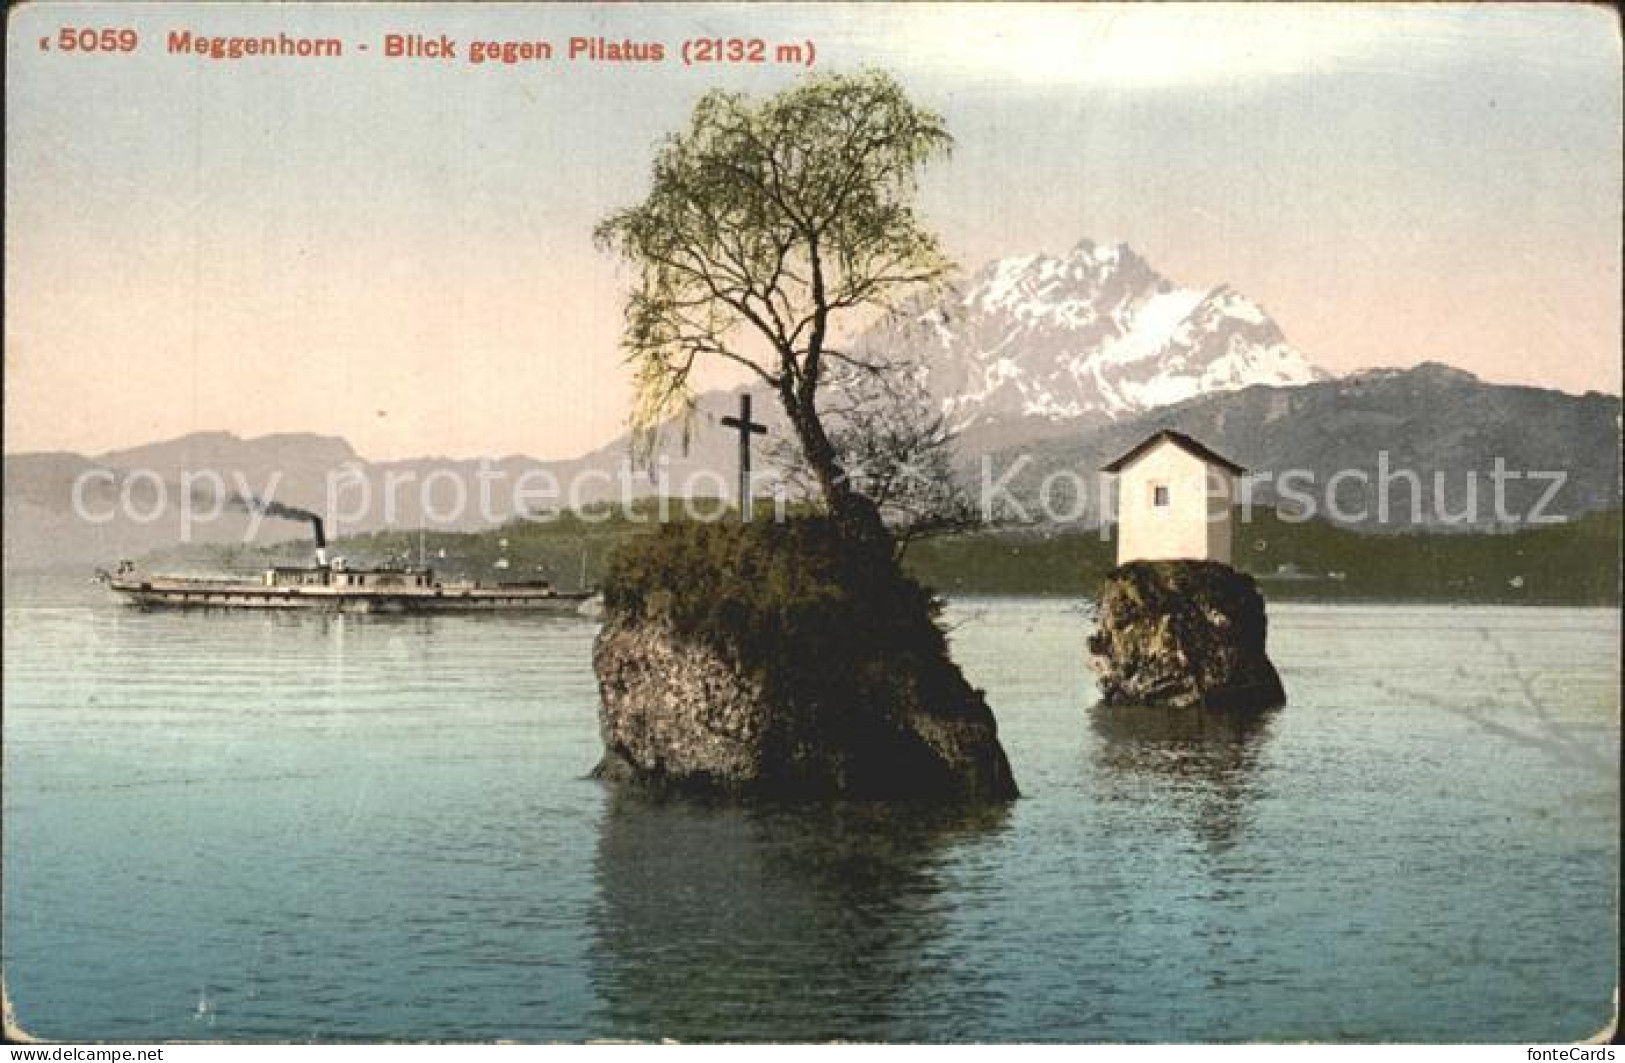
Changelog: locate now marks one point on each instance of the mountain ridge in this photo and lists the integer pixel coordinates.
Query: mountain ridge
(1096, 332)
(1069, 359)
(1433, 419)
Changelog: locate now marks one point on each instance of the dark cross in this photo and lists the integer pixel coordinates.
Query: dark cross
(745, 426)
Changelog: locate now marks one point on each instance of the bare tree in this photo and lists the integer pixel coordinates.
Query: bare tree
(895, 446)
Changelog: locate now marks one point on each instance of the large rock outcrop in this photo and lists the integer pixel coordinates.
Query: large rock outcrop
(1179, 634)
(765, 661)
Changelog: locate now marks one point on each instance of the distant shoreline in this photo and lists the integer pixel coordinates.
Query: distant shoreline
(1340, 603)
(1569, 565)
(61, 579)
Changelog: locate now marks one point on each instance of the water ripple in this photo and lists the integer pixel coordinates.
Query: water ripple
(332, 828)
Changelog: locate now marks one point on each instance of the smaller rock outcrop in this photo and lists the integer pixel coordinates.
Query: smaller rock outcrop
(770, 661)
(1179, 634)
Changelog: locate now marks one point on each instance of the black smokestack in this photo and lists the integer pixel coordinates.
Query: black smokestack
(272, 508)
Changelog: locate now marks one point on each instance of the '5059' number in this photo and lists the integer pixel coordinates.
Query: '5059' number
(69, 39)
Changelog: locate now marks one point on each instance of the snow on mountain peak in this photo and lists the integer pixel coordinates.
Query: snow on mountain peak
(1107, 253)
(1096, 332)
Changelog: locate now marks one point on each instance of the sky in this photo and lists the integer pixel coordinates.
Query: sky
(399, 252)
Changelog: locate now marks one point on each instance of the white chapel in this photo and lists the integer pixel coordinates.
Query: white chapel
(1175, 501)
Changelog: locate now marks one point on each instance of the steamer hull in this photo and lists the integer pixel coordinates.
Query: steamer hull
(174, 593)
(336, 586)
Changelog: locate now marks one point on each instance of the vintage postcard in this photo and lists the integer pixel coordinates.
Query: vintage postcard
(812, 522)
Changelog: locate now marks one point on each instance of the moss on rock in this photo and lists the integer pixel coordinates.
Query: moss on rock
(774, 659)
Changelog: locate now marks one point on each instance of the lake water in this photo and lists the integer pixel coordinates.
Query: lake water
(247, 826)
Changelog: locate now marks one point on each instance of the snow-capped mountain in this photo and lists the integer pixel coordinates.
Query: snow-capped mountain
(1097, 334)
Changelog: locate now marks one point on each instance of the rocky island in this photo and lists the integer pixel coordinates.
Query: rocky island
(794, 658)
(1182, 634)
(771, 660)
